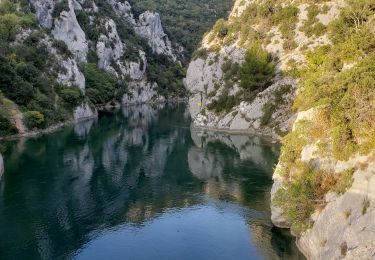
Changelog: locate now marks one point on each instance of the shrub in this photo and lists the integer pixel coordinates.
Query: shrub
(258, 69)
(201, 53)
(34, 120)
(100, 86)
(306, 192)
(6, 127)
(71, 95)
(62, 48)
(223, 103)
(60, 7)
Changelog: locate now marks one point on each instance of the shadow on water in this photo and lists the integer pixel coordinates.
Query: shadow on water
(140, 183)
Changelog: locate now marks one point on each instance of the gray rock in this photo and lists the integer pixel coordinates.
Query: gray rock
(141, 93)
(149, 27)
(277, 214)
(83, 112)
(123, 9)
(344, 229)
(72, 76)
(205, 80)
(109, 47)
(44, 10)
(68, 30)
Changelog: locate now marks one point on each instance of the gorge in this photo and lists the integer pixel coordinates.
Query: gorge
(298, 72)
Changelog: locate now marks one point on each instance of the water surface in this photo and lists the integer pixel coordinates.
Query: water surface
(139, 183)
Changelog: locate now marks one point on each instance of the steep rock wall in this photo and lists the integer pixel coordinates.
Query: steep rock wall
(342, 225)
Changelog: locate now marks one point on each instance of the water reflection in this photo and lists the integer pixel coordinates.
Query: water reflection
(132, 176)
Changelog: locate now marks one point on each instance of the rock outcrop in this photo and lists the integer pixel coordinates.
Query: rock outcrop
(342, 226)
(344, 229)
(209, 76)
(71, 76)
(84, 112)
(141, 93)
(149, 27)
(67, 29)
(109, 47)
(44, 10)
(123, 9)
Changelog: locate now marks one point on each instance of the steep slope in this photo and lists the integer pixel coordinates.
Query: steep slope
(62, 58)
(185, 21)
(307, 68)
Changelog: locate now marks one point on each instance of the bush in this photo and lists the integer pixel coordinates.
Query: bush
(60, 7)
(62, 48)
(11, 21)
(34, 120)
(258, 69)
(100, 85)
(223, 103)
(201, 53)
(6, 127)
(306, 192)
(71, 95)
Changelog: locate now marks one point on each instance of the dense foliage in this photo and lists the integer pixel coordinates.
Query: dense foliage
(100, 86)
(28, 71)
(257, 70)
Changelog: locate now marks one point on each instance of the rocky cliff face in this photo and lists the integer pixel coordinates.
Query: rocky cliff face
(67, 29)
(104, 33)
(318, 165)
(214, 72)
(149, 27)
(79, 54)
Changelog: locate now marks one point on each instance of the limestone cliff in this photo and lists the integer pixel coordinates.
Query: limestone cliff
(319, 102)
(214, 73)
(75, 43)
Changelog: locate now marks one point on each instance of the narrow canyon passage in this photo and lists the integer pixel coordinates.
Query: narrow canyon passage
(140, 183)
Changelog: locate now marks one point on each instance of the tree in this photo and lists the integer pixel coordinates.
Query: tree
(358, 11)
(258, 69)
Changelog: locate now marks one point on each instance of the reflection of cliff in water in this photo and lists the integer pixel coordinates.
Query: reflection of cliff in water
(99, 174)
(61, 189)
(239, 167)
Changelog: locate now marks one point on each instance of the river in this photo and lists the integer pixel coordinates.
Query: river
(140, 183)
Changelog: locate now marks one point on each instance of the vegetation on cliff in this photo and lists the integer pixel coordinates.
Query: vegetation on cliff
(185, 21)
(329, 47)
(338, 83)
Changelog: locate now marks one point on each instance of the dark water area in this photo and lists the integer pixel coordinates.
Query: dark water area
(140, 183)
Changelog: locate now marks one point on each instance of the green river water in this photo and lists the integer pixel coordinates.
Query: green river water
(140, 183)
